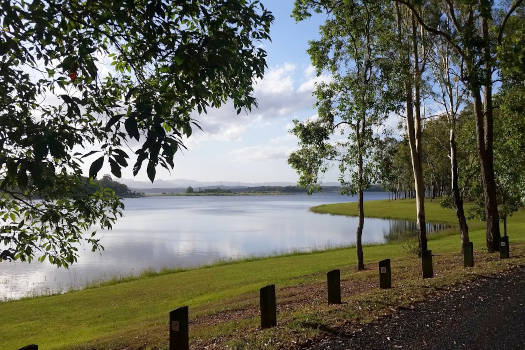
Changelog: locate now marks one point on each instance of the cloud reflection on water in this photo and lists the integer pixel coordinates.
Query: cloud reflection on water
(178, 232)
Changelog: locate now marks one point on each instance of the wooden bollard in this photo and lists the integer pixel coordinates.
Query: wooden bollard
(468, 254)
(426, 264)
(385, 274)
(268, 307)
(179, 337)
(29, 347)
(504, 247)
(333, 283)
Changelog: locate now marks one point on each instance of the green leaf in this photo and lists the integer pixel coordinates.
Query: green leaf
(115, 168)
(89, 154)
(132, 127)
(151, 171)
(113, 120)
(95, 167)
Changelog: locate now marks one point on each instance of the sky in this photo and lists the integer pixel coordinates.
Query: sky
(254, 147)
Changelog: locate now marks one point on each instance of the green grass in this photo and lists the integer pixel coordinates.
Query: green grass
(399, 209)
(134, 311)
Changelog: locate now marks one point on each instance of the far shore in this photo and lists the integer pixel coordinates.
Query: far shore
(202, 194)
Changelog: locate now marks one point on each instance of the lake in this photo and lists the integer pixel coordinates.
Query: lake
(179, 232)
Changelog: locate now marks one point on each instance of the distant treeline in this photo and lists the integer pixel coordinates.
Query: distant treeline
(86, 186)
(248, 189)
(120, 190)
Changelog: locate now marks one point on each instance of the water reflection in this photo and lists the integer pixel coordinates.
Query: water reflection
(180, 232)
(400, 230)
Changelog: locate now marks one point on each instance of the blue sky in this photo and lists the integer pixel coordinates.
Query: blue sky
(254, 147)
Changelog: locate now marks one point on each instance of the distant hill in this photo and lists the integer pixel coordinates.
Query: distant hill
(236, 189)
(184, 183)
(245, 189)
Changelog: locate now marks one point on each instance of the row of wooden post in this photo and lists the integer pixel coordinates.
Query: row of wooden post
(268, 301)
(179, 320)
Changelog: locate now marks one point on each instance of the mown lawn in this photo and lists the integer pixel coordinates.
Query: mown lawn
(133, 314)
(398, 209)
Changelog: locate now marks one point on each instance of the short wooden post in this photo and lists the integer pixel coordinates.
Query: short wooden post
(385, 275)
(268, 307)
(333, 283)
(468, 254)
(426, 264)
(29, 347)
(179, 337)
(504, 247)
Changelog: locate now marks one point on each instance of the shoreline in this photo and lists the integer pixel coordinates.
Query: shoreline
(337, 209)
(218, 194)
(223, 297)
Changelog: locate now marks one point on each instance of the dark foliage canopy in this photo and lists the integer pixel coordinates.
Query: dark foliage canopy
(92, 80)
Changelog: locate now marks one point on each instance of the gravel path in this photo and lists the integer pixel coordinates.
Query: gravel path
(487, 314)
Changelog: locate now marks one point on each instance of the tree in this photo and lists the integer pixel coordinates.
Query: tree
(510, 124)
(352, 49)
(189, 189)
(120, 189)
(451, 96)
(509, 159)
(475, 31)
(383, 157)
(403, 169)
(169, 59)
(436, 163)
(412, 59)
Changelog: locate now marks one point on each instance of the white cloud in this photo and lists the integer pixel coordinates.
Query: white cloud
(309, 71)
(258, 153)
(277, 97)
(276, 81)
(286, 138)
(309, 85)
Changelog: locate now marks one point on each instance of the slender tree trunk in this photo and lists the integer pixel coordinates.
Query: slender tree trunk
(418, 171)
(414, 137)
(491, 205)
(458, 200)
(484, 137)
(505, 226)
(359, 232)
(486, 159)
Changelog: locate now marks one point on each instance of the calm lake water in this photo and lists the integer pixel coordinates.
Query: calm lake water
(176, 232)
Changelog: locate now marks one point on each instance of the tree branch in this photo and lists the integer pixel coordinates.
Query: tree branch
(430, 29)
(507, 16)
(452, 13)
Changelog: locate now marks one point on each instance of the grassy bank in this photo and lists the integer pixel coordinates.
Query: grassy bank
(223, 298)
(399, 209)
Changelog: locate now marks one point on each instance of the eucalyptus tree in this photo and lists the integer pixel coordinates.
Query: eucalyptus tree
(413, 47)
(509, 162)
(476, 30)
(386, 172)
(510, 122)
(354, 50)
(60, 104)
(509, 158)
(436, 160)
(451, 96)
(402, 163)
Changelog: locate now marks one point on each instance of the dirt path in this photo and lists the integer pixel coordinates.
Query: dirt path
(487, 314)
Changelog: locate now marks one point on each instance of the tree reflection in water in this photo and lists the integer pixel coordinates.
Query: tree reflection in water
(400, 230)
